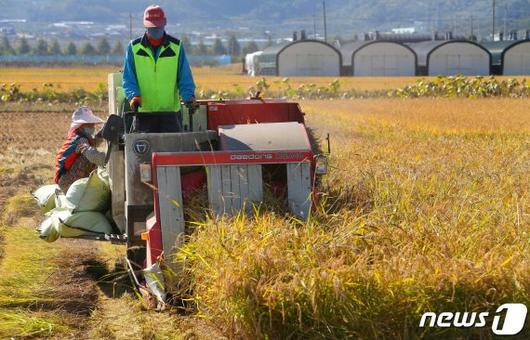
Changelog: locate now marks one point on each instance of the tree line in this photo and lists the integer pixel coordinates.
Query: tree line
(232, 47)
(22, 46)
(44, 47)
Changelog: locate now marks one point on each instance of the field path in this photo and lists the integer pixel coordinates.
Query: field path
(69, 289)
(46, 290)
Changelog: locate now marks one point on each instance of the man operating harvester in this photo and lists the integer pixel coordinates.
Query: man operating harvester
(156, 75)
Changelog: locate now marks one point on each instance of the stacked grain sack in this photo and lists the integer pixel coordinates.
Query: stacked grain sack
(81, 212)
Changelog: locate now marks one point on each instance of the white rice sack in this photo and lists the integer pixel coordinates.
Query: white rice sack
(84, 223)
(45, 196)
(90, 194)
(103, 174)
(49, 228)
(61, 222)
(62, 203)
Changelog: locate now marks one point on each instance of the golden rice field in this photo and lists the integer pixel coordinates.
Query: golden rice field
(426, 208)
(207, 78)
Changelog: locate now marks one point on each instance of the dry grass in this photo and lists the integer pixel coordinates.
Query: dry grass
(28, 138)
(68, 78)
(124, 318)
(231, 77)
(17, 207)
(65, 289)
(344, 117)
(39, 295)
(426, 209)
(120, 315)
(45, 290)
(207, 78)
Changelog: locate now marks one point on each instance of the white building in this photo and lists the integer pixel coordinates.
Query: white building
(516, 59)
(404, 30)
(452, 57)
(378, 58)
(510, 57)
(301, 58)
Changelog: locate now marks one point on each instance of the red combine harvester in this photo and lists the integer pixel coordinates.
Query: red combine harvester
(234, 149)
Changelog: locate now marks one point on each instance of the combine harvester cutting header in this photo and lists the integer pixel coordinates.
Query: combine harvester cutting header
(232, 147)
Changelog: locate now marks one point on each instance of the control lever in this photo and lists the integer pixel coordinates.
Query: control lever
(192, 107)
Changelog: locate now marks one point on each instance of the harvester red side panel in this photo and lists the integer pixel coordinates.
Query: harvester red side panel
(219, 158)
(252, 111)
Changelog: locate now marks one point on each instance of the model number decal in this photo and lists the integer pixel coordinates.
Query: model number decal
(291, 155)
(255, 156)
(267, 156)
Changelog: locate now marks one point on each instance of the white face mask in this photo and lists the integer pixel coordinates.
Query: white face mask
(89, 131)
(156, 32)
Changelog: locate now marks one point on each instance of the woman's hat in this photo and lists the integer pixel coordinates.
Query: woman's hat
(84, 115)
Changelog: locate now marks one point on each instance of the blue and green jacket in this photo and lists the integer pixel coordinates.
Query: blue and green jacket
(185, 82)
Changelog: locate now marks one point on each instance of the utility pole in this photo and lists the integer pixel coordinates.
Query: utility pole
(493, 23)
(325, 23)
(130, 26)
(429, 16)
(314, 26)
(438, 17)
(505, 22)
(472, 28)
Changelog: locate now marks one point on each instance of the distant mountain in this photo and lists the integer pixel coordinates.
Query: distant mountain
(344, 16)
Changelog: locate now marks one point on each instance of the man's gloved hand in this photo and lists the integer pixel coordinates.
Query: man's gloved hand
(192, 103)
(135, 103)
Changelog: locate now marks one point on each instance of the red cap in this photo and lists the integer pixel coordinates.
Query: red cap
(154, 17)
